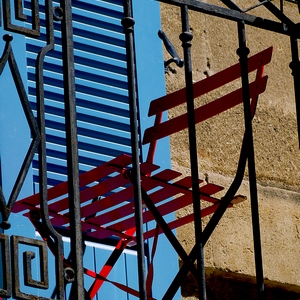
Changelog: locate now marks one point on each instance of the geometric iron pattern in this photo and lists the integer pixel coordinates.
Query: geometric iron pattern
(28, 256)
(8, 57)
(63, 14)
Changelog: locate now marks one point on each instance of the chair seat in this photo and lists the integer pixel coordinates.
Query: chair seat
(106, 196)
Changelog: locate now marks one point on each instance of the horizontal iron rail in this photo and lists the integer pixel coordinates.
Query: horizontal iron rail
(226, 13)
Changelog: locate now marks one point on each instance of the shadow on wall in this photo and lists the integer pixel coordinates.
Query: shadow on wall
(223, 285)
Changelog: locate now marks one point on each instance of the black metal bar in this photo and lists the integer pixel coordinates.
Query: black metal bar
(230, 4)
(233, 15)
(173, 241)
(128, 24)
(19, 14)
(167, 231)
(42, 151)
(186, 38)
(216, 217)
(255, 5)
(243, 52)
(171, 49)
(6, 289)
(72, 148)
(247, 150)
(28, 256)
(295, 66)
(8, 57)
(29, 116)
(277, 13)
(34, 31)
(221, 209)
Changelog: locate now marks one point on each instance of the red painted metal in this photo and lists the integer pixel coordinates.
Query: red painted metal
(210, 83)
(157, 107)
(107, 194)
(204, 112)
(109, 264)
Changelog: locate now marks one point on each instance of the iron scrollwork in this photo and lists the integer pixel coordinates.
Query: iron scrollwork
(28, 256)
(38, 143)
(20, 16)
(11, 278)
(63, 13)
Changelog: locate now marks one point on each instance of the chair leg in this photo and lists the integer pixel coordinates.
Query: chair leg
(113, 258)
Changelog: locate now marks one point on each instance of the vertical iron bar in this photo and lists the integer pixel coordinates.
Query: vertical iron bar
(295, 66)
(186, 38)
(42, 150)
(243, 52)
(72, 148)
(6, 280)
(213, 222)
(128, 24)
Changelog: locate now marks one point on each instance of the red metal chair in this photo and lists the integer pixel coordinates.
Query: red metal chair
(107, 193)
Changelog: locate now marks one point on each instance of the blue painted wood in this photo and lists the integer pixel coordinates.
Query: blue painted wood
(101, 88)
(102, 107)
(103, 118)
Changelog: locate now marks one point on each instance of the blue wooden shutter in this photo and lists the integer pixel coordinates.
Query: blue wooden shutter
(101, 89)
(102, 109)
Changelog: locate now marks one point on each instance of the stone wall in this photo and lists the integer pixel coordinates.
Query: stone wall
(230, 249)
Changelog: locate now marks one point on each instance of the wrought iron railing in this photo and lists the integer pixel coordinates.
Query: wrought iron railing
(74, 274)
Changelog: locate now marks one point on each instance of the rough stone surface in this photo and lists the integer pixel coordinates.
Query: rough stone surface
(219, 140)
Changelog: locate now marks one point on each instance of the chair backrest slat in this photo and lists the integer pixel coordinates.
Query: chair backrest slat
(203, 113)
(157, 107)
(208, 84)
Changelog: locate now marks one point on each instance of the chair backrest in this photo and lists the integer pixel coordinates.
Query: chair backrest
(157, 107)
